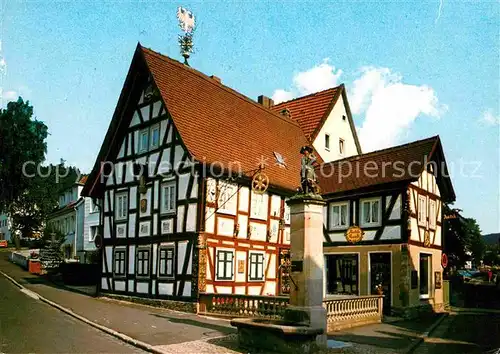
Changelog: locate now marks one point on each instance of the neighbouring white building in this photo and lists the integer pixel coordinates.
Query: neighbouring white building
(78, 218)
(5, 226)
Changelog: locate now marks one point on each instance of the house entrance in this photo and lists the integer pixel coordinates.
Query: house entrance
(380, 277)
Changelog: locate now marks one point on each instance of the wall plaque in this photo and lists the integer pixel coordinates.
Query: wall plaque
(241, 266)
(144, 205)
(354, 234)
(437, 280)
(427, 238)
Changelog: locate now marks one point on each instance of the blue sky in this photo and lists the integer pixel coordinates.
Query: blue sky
(438, 63)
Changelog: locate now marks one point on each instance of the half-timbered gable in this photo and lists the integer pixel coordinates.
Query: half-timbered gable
(174, 173)
(383, 222)
(150, 207)
(325, 118)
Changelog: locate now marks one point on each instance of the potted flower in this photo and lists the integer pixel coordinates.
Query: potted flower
(380, 289)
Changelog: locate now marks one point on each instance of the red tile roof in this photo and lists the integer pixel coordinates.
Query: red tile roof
(215, 123)
(310, 111)
(83, 180)
(396, 164)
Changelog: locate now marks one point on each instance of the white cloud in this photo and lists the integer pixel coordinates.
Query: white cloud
(389, 106)
(318, 78)
(281, 96)
(10, 96)
(490, 119)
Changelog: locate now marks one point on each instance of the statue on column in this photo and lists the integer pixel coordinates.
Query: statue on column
(308, 179)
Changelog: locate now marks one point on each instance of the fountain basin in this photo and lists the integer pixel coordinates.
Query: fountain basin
(276, 335)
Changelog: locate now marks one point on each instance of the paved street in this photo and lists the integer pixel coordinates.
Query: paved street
(464, 333)
(30, 326)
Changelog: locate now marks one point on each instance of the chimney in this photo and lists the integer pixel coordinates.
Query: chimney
(265, 101)
(216, 78)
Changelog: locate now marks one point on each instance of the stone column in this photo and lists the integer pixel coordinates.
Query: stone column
(306, 253)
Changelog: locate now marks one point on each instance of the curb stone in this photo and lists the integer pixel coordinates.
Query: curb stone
(123, 337)
(426, 334)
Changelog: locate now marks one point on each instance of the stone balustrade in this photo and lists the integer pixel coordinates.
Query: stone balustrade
(231, 305)
(345, 312)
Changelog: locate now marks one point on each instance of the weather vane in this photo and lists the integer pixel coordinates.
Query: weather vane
(187, 25)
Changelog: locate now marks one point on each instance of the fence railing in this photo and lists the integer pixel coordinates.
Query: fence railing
(230, 305)
(353, 311)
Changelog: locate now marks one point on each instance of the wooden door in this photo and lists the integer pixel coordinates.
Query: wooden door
(381, 277)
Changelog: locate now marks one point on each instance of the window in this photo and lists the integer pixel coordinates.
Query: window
(422, 209)
(94, 230)
(425, 275)
(341, 146)
(119, 262)
(339, 215)
(166, 262)
(168, 197)
(327, 142)
(258, 208)
(155, 136)
(342, 274)
(121, 206)
(256, 268)
(225, 265)
(144, 140)
(370, 212)
(432, 214)
(142, 267)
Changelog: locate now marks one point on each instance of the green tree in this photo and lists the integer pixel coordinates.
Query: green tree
(22, 140)
(474, 239)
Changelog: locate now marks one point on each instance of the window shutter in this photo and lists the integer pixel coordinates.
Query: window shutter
(231, 257)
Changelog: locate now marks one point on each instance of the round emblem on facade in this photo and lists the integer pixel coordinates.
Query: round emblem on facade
(444, 260)
(260, 182)
(354, 234)
(427, 239)
(144, 205)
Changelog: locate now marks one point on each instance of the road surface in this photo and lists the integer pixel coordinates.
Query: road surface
(28, 325)
(464, 332)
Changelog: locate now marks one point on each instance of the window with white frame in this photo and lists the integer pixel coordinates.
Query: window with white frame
(144, 140)
(94, 230)
(371, 212)
(227, 198)
(255, 266)
(327, 142)
(155, 136)
(119, 262)
(341, 146)
(422, 210)
(425, 275)
(432, 214)
(121, 206)
(258, 207)
(142, 260)
(225, 265)
(166, 261)
(339, 215)
(168, 197)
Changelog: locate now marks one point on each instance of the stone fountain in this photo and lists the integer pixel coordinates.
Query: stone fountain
(303, 328)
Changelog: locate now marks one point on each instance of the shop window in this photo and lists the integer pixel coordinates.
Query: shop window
(342, 274)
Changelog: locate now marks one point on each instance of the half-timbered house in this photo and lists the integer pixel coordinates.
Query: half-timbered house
(174, 175)
(383, 224)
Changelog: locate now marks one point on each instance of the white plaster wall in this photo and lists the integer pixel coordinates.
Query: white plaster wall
(337, 128)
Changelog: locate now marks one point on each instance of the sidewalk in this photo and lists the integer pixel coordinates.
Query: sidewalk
(170, 331)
